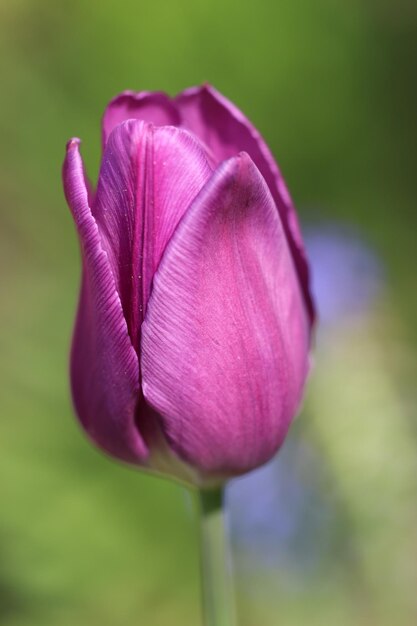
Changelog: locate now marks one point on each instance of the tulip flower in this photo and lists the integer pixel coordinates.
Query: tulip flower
(190, 349)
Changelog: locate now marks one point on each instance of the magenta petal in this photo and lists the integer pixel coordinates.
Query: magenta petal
(149, 177)
(225, 338)
(104, 365)
(152, 107)
(226, 132)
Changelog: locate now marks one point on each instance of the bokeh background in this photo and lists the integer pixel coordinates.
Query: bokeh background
(327, 533)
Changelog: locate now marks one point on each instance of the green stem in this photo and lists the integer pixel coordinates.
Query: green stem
(216, 571)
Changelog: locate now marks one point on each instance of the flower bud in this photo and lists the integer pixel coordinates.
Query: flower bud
(190, 349)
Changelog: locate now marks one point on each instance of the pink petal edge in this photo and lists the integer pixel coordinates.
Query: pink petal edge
(154, 107)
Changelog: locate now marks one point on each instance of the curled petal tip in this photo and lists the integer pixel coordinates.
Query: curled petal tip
(72, 143)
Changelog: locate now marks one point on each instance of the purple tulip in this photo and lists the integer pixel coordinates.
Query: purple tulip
(190, 349)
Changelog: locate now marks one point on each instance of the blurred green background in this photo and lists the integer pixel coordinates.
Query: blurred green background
(331, 85)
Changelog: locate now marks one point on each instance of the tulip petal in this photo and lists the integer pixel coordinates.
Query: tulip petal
(226, 131)
(149, 177)
(225, 338)
(152, 107)
(104, 365)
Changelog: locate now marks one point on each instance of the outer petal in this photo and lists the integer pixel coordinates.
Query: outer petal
(152, 107)
(225, 338)
(104, 365)
(226, 131)
(149, 177)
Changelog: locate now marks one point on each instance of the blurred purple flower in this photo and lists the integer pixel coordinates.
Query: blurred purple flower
(190, 349)
(346, 273)
(279, 515)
